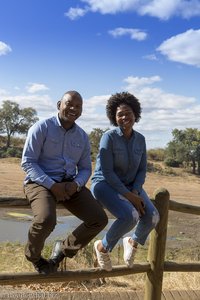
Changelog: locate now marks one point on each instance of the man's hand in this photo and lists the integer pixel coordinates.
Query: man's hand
(63, 190)
(70, 188)
(60, 192)
(137, 201)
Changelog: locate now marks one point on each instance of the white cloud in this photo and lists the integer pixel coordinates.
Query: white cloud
(43, 104)
(163, 9)
(162, 111)
(156, 98)
(96, 100)
(166, 9)
(17, 88)
(94, 113)
(111, 6)
(190, 8)
(3, 93)
(4, 48)
(183, 48)
(135, 34)
(96, 120)
(135, 83)
(75, 13)
(36, 87)
(150, 57)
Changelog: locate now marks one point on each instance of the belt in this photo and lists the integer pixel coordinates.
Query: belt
(69, 179)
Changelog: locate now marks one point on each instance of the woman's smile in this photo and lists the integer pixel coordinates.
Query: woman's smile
(125, 116)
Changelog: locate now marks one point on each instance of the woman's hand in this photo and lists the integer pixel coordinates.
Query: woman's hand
(137, 201)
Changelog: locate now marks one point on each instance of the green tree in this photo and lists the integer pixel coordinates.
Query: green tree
(157, 154)
(13, 119)
(95, 136)
(185, 147)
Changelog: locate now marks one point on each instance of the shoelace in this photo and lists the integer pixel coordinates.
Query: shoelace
(104, 258)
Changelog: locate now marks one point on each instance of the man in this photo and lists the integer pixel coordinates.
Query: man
(56, 159)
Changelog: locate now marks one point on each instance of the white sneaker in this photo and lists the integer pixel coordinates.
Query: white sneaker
(129, 252)
(102, 258)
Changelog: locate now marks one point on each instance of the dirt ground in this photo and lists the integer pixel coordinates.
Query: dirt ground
(184, 188)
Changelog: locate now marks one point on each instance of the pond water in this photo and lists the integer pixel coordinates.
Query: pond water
(16, 230)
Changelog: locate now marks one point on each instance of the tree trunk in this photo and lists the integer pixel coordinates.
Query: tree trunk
(193, 166)
(198, 170)
(8, 141)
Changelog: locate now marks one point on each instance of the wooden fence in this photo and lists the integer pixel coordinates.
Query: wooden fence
(154, 267)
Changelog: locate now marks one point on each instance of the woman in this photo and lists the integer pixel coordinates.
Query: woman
(118, 179)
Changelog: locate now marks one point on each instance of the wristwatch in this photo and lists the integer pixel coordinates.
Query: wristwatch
(78, 187)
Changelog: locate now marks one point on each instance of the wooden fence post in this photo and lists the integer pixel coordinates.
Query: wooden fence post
(156, 251)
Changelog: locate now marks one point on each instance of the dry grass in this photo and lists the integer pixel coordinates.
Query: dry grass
(12, 255)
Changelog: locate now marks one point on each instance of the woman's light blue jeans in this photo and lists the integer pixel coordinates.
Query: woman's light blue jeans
(126, 215)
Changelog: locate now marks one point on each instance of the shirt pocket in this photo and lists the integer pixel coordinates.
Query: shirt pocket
(76, 145)
(138, 151)
(137, 155)
(76, 150)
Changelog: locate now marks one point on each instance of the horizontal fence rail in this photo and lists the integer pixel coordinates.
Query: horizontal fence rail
(17, 202)
(66, 276)
(184, 208)
(173, 205)
(92, 273)
(154, 268)
(170, 266)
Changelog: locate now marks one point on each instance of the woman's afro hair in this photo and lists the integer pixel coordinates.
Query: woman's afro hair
(122, 98)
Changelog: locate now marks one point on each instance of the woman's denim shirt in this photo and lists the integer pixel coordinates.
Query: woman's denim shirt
(121, 162)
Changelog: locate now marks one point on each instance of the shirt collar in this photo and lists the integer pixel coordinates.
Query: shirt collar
(60, 125)
(58, 120)
(120, 132)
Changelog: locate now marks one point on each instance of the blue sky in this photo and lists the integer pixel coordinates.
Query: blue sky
(149, 48)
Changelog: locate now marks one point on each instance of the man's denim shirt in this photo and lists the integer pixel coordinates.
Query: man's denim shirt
(121, 162)
(52, 153)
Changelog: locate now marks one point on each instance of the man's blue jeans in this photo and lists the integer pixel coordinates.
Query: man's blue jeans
(126, 215)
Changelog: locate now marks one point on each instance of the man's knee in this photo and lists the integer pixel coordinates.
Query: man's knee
(45, 221)
(98, 220)
(101, 219)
